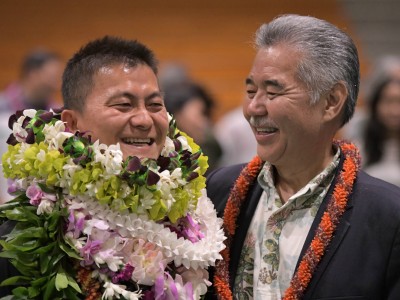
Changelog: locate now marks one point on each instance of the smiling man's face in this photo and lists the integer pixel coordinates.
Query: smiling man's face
(124, 106)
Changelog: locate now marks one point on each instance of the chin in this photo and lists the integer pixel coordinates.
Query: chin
(266, 156)
(140, 154)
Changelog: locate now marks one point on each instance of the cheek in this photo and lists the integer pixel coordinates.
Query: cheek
(88, 122)
(101, 128)
(245, 110)
(162, 123)
(382, 111)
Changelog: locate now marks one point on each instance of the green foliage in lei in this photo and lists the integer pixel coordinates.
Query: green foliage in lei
(38, 251)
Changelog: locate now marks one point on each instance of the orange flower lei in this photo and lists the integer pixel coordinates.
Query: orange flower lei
(231, 212)
(324, 233)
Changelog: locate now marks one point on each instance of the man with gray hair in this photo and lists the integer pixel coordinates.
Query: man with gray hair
(302, 220)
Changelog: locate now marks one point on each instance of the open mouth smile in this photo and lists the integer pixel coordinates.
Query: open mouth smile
(138, 141)
(266, 130)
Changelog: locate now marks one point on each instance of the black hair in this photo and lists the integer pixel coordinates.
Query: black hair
(177, 95)
(36, 59)
(77, 80)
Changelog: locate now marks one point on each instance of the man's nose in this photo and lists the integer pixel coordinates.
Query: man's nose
(258, 104)
(140, 118)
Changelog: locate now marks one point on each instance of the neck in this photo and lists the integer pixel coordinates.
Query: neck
(289, 179)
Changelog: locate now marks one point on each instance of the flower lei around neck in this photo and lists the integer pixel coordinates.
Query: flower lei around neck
(322, 237)
(90, 225)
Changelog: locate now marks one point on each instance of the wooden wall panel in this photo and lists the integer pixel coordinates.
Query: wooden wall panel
(213, 38)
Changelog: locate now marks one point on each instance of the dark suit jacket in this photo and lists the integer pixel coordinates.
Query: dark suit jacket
(363, 259)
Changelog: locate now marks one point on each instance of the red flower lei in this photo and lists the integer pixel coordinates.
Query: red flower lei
(323, 235)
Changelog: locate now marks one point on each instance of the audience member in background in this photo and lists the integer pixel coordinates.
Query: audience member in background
(381, 137)
(385, 67)
(235, 137)
(40, 80)
(192, 105)
(373, 127)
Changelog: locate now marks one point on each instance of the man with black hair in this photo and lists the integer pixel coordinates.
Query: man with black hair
(110, 91)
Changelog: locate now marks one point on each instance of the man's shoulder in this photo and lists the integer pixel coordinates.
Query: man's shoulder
(370, 184)
(379, 194)
(219, 184)
(225, 174)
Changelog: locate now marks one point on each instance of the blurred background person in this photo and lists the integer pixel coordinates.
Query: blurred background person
(37, 87)
(381, 136)
(192, 106)
(235, 137)
(40, 78)
(375, 127)
(385, 67)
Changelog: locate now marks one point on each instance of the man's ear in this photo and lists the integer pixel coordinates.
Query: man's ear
(70, 117)
(335, 101)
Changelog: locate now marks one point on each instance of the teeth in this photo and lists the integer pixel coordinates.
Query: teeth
(267, 130)
(136, 141)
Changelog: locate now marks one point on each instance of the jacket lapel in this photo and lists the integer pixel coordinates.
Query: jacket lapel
(339, 234)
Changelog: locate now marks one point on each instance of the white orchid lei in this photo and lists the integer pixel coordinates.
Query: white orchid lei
(89, 224)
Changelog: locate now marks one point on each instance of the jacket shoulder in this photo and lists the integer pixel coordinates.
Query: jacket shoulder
(377, 191)
(219, 184)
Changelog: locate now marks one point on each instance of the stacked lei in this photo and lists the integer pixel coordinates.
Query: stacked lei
(90, 225)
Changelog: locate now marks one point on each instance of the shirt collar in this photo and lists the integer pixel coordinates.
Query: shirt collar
(266, 178)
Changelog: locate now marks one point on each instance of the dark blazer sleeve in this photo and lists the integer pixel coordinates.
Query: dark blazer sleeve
(393, 272)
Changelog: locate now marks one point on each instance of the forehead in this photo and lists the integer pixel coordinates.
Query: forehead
(124, 69)
(121, 79)
(121, 75)
(275, 60)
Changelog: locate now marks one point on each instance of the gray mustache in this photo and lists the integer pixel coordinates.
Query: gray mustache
(261, 122)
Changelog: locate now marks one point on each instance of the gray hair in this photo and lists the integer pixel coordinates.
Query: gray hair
(329, 55)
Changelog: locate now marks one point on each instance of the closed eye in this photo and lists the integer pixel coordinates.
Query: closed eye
(251, 92)
(272, 94)
(122, 104)
(155, 105)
